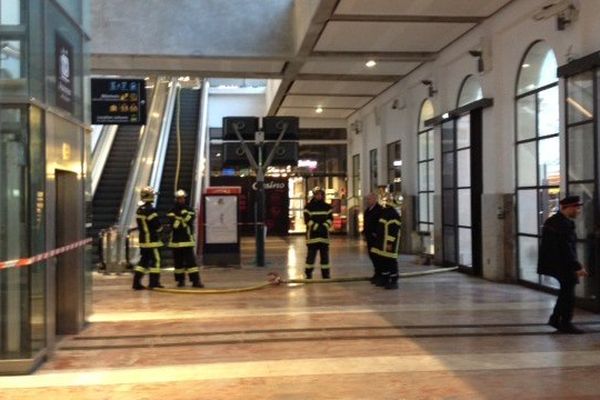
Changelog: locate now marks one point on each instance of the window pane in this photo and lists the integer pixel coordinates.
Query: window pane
(527, 212)
(427, 112)
(464, 167)
(448, 170)
(580, 103)
(463, 132)
(465, 248)
(549, 198)
(470, 91)
(10, 59)
(526, 117)
(10, 12)
(549, 161)
(448, 207)
(548, 115)
(448, 136)
(528, 257)
(422, 146)
(430, 171)
(430, 152)
(449, 245)
(464, 207)
(423, 204)
(526, 164)
(423, 177)
(581, 152)
(538, 68)
(584, 224)
(430, 200)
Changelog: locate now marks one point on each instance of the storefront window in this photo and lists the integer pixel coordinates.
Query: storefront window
(394, 168)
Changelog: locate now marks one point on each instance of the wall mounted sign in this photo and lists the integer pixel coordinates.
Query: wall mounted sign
(64, 73)
(118, 101)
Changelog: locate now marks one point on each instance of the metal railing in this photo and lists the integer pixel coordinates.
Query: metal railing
(101, 152)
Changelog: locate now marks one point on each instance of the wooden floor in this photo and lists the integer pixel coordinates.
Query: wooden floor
(443, 336)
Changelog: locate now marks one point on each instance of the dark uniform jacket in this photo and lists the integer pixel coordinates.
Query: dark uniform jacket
(558, 254)
(181, 218)
(371, 221)
(149, 226)
(318, 217)
(388, 234)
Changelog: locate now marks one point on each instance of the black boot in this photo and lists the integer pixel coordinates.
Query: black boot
(308, 272)
(137, 281)
(382, 279)
(325, 273)
(155, 281)
(554, 321)
(195, 278)
(392, 282)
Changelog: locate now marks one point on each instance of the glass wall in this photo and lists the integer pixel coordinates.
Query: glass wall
(426, 183)
(537, 154)
(41, 58)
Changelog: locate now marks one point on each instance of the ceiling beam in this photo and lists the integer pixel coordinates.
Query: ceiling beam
(347, 77)
(320, 18)
(191, 73)
(407, 18)
(379, 56)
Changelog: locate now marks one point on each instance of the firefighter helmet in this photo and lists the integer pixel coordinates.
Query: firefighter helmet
(148, 193)
(180, 193)
(318, 189)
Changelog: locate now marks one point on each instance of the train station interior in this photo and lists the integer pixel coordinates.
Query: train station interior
(473, 120)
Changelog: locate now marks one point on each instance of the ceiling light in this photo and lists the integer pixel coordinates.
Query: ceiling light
(371, 63)
(319, 110)
(526, 65)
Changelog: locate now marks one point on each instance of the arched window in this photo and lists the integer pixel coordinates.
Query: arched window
(470, 91)
(537, 153)
(425, 171)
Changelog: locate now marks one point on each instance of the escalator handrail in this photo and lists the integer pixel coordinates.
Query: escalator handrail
(163, 141)
(101, 152)
(200, 161)
(139, 174)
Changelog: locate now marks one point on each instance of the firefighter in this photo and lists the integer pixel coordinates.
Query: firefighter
(149, 228)
(318, 218)
(387, 244)
(182, 218)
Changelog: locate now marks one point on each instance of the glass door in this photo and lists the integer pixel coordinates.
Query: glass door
(461, 191)
(582, 171)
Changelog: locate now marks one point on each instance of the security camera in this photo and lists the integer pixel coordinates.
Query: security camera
(554, 8)
(426, 82)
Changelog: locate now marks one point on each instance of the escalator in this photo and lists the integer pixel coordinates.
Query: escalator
(188, 116)
(111, 188)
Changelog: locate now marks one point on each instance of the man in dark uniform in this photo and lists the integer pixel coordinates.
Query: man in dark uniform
(318, 217)
(181, 218)
(558, 258)
(387, 245)
(149, 228)
(371, 220)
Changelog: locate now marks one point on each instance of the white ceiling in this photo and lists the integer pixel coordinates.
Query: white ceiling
(325, 65)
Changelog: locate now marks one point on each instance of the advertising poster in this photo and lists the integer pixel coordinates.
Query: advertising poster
(221, 219)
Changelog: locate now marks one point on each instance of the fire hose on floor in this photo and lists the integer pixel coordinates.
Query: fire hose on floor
(274, 279)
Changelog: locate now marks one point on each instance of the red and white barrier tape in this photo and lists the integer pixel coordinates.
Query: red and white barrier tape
(22, 262)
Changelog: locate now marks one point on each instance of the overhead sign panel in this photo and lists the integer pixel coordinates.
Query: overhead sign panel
(118, 101)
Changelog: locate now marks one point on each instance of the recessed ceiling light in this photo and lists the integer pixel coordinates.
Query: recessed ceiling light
(371, 63)
(526, 65)
(319, 110)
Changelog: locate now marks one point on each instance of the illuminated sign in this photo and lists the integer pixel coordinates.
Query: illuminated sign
(118, 101)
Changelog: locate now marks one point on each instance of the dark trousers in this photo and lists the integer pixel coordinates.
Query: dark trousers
(565, 303)
(313, 248)
(185, 261)
(388, 267)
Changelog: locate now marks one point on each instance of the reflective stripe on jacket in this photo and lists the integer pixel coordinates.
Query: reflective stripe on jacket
(318, 217)
(387, 243)
(149, 226)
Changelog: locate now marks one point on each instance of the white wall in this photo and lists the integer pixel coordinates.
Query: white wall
(224, 105)
(504, 38)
